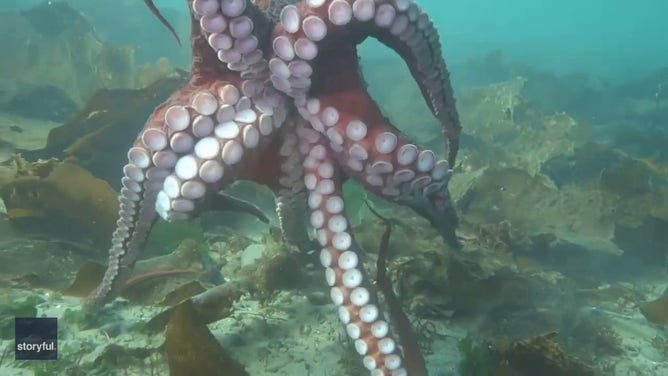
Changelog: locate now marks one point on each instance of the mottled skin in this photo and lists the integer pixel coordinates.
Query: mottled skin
(276, 97)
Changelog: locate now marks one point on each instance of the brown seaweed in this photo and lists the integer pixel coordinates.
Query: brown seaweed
(90, 275)
(656, 311)
(211, 305)
(182, 293)
(414, 361)
(98, 135)
(192, 349)
(43, 194)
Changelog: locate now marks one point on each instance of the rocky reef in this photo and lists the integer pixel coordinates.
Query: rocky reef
(62, 34)
(35, 87)
(561, 188)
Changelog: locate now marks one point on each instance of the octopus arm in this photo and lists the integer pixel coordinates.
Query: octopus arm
(415, 38)
(135, 219)
(194, 143)
(315, 62)
(350, 289)
(250, 61)
(308, 29)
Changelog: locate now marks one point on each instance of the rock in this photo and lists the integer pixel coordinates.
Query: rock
(252, 253)
(42, 196)
(504, 129)
(19, 133)
(192, 349)
(55, 32)
(582, 224)
(57, 262)
(99, 135)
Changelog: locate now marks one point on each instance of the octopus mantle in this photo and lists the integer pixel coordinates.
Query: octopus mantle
(276, 97)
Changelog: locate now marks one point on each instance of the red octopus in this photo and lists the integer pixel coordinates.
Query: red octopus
(276, 96)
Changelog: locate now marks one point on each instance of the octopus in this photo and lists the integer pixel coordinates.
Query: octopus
(276, 96)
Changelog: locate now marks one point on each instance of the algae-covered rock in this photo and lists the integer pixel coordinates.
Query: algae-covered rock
(61, 197)
(541, 355)
(30, 263)
(632, 194)
(17, 133)
(99, 135)
(511, 131)
(595, 199)
(55, 32)
(13, 305)
(136, 26)
(534, 207)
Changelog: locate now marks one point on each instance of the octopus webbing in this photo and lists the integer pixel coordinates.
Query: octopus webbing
(276, 96)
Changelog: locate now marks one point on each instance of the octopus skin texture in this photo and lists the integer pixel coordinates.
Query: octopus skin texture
(276, 96)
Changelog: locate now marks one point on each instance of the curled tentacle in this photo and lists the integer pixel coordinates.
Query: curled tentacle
(315, 62)
(374, 152)
(308, 29)
(413, 35)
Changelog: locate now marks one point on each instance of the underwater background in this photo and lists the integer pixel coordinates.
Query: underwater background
(561, 187)
(619, 40)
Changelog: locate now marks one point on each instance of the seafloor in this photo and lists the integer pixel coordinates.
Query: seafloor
(562, 190)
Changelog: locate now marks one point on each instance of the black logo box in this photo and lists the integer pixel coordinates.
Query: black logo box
(36, 338)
